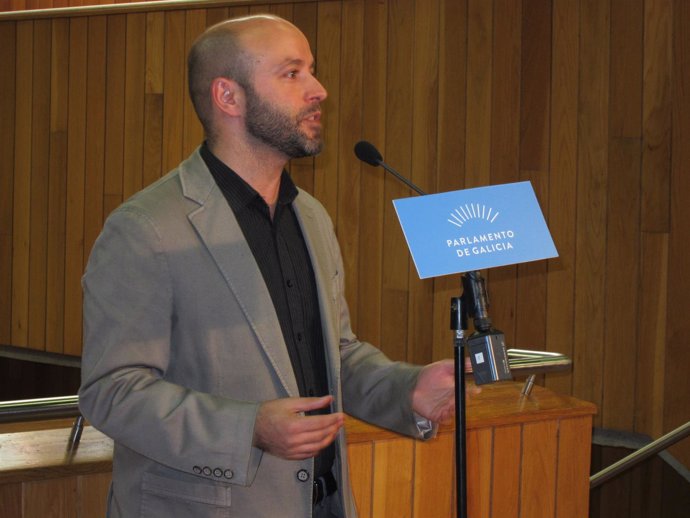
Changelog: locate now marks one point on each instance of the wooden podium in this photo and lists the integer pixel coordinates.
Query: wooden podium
(527, 457)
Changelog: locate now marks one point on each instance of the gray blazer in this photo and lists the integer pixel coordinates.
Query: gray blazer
(181, 343)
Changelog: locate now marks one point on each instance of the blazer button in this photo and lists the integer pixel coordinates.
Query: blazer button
(228, 474)
(303, 475)
(197, 470)
(206, 471)
(218, 472)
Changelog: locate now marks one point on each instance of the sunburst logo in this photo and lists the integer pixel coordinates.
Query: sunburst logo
(471, 211)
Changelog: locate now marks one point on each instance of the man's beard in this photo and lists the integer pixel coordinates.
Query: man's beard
(277, 129)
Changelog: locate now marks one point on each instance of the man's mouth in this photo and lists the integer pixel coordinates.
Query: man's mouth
(314, 117)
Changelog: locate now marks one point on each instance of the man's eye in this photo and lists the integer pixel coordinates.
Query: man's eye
(292, 74)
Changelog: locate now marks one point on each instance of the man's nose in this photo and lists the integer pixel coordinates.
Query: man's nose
(316, 91)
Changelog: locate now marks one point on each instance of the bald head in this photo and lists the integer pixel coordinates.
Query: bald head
(226, 50)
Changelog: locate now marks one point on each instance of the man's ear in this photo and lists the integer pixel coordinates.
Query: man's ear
(226, 95)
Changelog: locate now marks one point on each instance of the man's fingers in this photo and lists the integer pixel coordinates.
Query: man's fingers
(307, 404)
(282, 429)
(312, 423)
(310, 444)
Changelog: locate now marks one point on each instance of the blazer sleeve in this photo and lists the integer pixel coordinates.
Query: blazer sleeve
(128, 314)
(375, 388)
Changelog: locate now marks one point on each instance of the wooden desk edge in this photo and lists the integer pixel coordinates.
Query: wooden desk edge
(496, 405)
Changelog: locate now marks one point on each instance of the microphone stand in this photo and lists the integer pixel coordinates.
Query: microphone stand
(458, 313)
(458, 323)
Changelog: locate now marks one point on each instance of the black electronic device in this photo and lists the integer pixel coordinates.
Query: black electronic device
(486, 346)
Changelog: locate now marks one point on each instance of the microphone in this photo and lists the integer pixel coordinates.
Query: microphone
(486, 345)
(367, 152)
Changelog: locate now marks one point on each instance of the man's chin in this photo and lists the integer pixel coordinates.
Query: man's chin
(310, 148)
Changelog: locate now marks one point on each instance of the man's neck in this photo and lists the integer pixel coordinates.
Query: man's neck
(259, 166)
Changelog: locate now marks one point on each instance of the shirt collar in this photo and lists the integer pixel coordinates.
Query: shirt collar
(238, 192)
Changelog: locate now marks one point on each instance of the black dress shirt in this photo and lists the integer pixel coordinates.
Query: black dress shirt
(281, 253)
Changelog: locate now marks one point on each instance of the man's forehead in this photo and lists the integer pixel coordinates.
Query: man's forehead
(278, 48)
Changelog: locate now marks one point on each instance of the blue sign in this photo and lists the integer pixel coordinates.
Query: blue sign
(472, 229)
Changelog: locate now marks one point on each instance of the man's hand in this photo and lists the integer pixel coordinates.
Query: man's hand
(434, 395)
(282, 430)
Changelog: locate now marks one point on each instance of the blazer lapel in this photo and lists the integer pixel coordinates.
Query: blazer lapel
(221, 234)
(326, 281)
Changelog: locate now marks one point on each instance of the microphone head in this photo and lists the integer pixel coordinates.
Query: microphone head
(366, 152)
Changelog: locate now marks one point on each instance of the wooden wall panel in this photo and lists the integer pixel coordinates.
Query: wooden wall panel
(115, 73)
(592, 158)
(134, 104)
(76, 172)
(195, 23)
(656, 116)
(562, 209)
(57, 187)
(677, 354)
(21, 203)
(328, 55)
(95, 131)
(38, 197)
(622, 284)
(581, 97)
(372, 202)
(422, 172)
(174, 90)
(424, 110)
(534, 159)
(623, 225)
(479, 86)
(651, 351)
(8, 38)
(153, 98)
(396, 151)
(351, 76)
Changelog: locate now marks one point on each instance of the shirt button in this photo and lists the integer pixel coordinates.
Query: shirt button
(228, 474)
(303, 475)
(206, 471)
(218, 472)
(299, 337)
(197, 470)
(289, 283)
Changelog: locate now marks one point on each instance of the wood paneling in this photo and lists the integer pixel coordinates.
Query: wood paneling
(585, 98)
(397, 150)
(8, 39)
(371, 190)
(677, 353)
(592, 158)
(562, 209)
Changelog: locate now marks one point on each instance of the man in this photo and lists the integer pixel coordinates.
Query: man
(218, 351)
